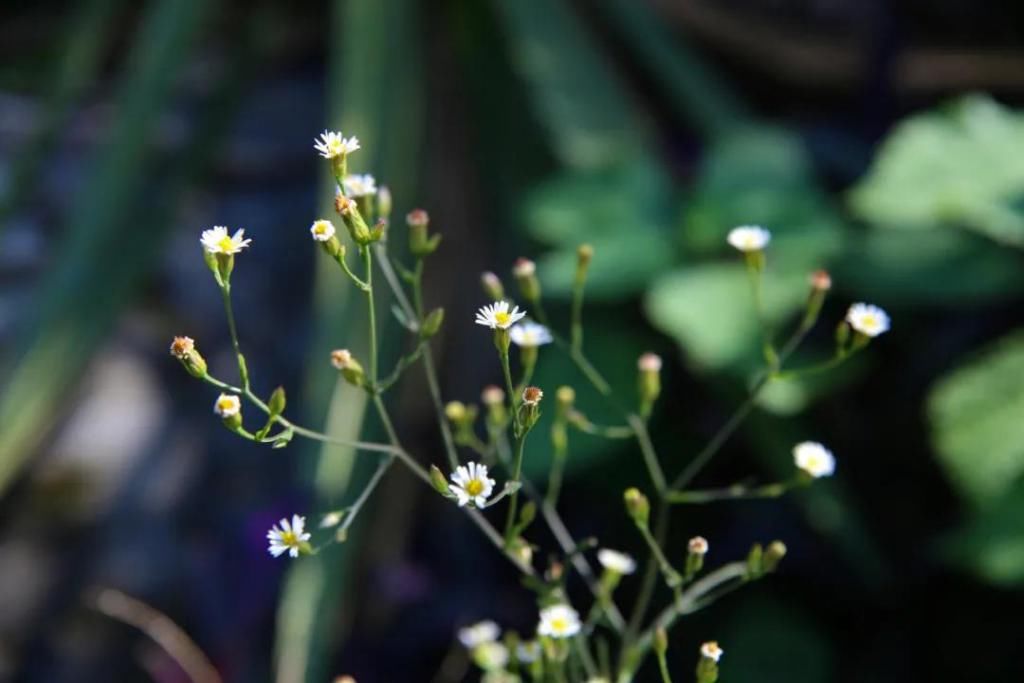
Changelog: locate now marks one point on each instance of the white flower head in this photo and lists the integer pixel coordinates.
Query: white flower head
(491, 656)
(216, 240)
(814, 459)
(322, 230)
(479, 633)
(497, 315)
(698, 545)
(360, 185)
(559, 621)
(617, 562)
(749, 238)
(710, 650)
(227, 405)
(285, 537)
(530, 334)
(528, 651)
(649, 362)
(869, 320)
(471, 483)
(331, 144)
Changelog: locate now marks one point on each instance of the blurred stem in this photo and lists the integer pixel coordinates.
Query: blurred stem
(517, 475)
(400, 367)
(576, 329)
(513, 403)
(603, 431)
(586, 658)
(649, 580)
(755, 270)
(371, 313)
(673, 578)
(736, 492)
(417, 289)
(354, 509)
(663, 667)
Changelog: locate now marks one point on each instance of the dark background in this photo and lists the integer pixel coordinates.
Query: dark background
(645, 127)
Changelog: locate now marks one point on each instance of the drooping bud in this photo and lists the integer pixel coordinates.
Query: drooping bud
(525, 272)
(492, 286)
(184, 349)
(637, 506)
(353, 219)
(565, 397)
(350, 368)
(648, 381)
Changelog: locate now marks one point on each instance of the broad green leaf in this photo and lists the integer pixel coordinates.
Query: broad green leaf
(991, 544)
(959, 165)
(976, 414)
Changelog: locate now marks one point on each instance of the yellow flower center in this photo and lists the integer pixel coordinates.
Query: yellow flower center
(559, 624)
(869, 321)
(225, 244)
(502, 318)
(320, 228)
(475, 487)
(225, 404)
(289, 539)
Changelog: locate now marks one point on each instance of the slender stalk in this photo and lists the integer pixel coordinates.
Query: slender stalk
(512, 396)
(666, 677)
(643, 438)
(736, 492)
(384, 263)
(672, 577)
(604, 431)
(356, 506)
(371, 313)
(513, 503)
(649, 580)
(229, 312)
(576, 325)
(585, 657)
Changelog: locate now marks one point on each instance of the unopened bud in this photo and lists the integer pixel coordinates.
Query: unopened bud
(432, 323)
(707, 667)
(494, 399)
(522, 551)
(532, 396)
(438, 481)
(584, 253)
(384, 202)
(648, 381)
(755, 562)
(820, 279)
(525, 272)
(696, 548)
(184, 349)
(492, 286)
(350, 368)
(773, 554)
(637, 506)
(420, 242)
(821, 282)
(660, 641)
(455, 411)
(277, 402)
(566, 397)
(530, 409)
(555, 571)
(229, 408)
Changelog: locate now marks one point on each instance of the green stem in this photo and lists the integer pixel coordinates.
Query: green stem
(603, 431)
(513, 503)
(643, 438)
(672, 577)
(354, 509)
(512, 396)
(364, 286)
(737, 492)
(585, 657)
(403, 363)
(576, 329)
(371, 314)
(243, 369)
(663, 667)
(648, 582)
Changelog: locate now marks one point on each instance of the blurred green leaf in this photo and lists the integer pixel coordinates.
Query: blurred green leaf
(976, 413)
(991, 544)
(959, 165)
(709, 310)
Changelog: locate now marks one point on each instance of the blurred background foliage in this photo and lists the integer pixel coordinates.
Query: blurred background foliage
(879, 140)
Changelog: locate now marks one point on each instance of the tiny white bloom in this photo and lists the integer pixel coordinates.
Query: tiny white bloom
(471, 483)
(216, 240)
(649, 362)
(479, 633)
(698, 545)
(524, 267)
(710, 650)
(530, 334)
(285, 537)
(497, 315)
(322, 230)
(332, 518)
(331, 144)
(867, 319)
(814, 459)
(360, 185)
(528, 651)
(227, 405)
(559, 621)
(491, 656)
(749, 238)
(617, 562)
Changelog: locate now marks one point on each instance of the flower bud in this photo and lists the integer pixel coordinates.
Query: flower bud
(648, 381)
(660, 641)
(350, 368)
(773, 554)
(438, 481)
(821, 282)
(755, 562)
(493, 399)
(184, 349)
(525, 272)
(384, 202)
(530, 409)
(277, 402)
(522, 551)
(432, 323)
(353, 219)
(637, 506)
(229, 408)
(707, 667)
(696, 549)
(455, 411)
(492, 286)
(584, 254)
(420, 243)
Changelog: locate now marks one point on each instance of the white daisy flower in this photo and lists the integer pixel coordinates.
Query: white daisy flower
(491, 656)
(216, 240)
(322, 230)
(360, 185)
(471, 483)
(285, 537)
(528, 651)
(814, 459)
(530, 334)
(869, 320)
(698, 545)
(331, 144)
(710, 650)
(559, 621)
(497, 315)
(227, 405)
(749, 238)
(617, 562)
(479, 633)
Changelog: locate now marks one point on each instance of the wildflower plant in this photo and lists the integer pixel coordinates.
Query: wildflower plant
(573, 639)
